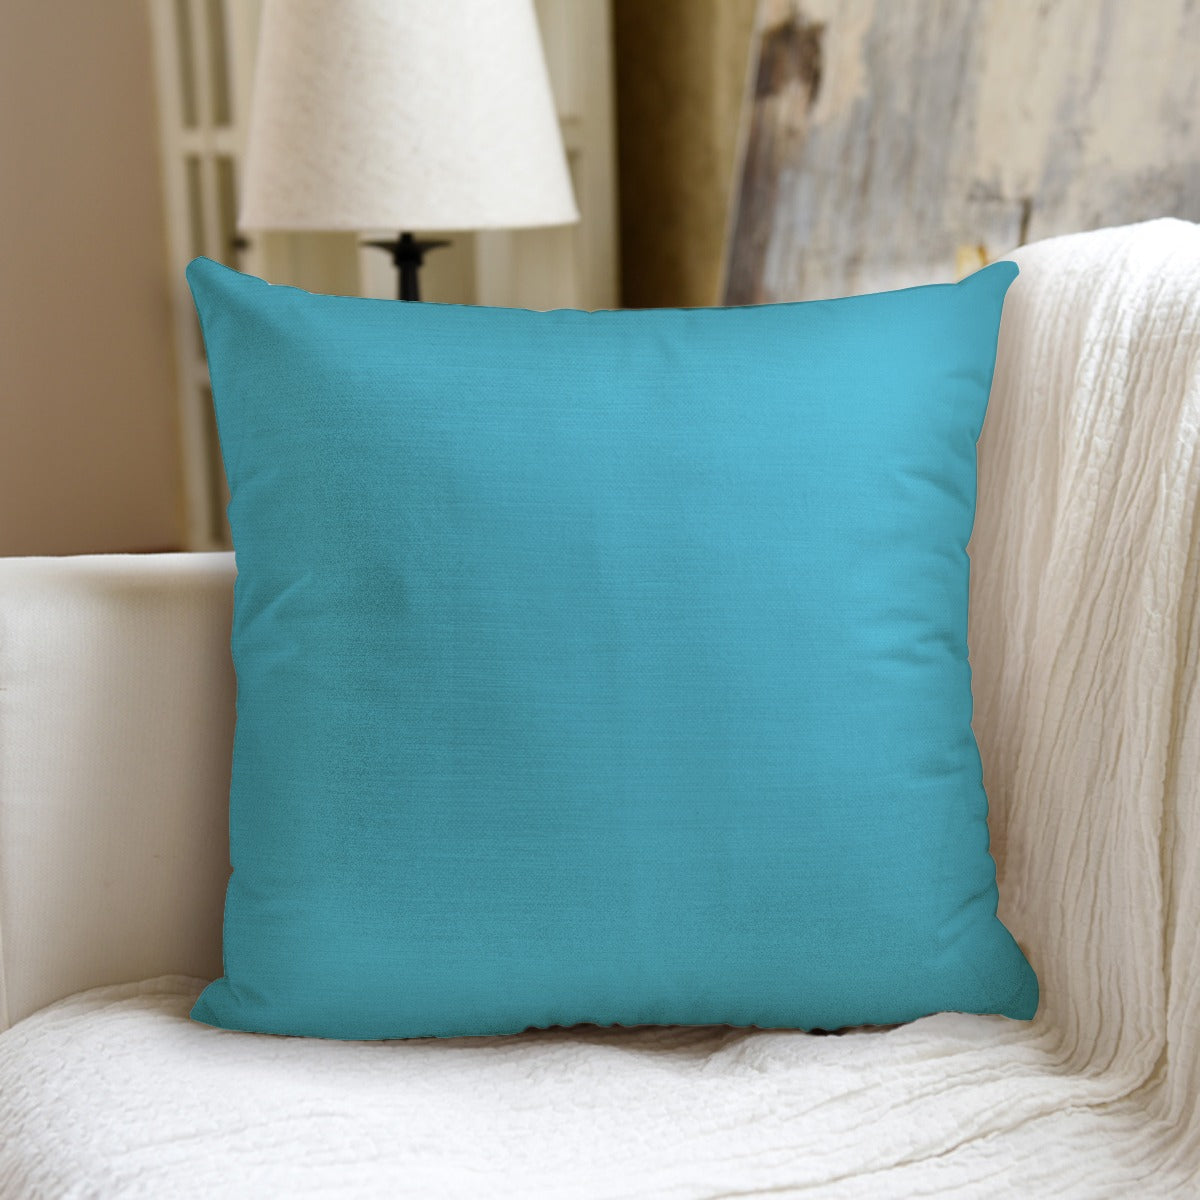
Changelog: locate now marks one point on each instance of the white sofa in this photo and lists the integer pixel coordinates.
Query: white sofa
(116, 719)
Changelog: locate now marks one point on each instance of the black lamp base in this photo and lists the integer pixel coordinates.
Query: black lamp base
(408, 254)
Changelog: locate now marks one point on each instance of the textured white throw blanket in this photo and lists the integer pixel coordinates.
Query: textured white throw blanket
(1086, 645)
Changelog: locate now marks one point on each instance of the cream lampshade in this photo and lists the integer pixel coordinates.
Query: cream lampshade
(403, 114)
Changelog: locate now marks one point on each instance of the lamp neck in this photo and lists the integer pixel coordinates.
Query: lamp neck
(408, 254)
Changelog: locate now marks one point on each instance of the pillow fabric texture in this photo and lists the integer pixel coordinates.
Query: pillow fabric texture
(604, 667)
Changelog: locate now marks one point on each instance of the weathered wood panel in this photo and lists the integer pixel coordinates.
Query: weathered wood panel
(886, 139)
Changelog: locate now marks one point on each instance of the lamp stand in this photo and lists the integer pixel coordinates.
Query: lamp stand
(408, 254)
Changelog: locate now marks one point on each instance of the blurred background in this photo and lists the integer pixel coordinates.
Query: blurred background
(719, 151)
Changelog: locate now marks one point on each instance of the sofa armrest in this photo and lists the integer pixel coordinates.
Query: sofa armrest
(117, 704)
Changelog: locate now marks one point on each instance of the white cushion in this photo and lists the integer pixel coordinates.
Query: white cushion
(116, 733)
(116, 1093)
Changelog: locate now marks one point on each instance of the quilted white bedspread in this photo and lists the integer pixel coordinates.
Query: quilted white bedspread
(1086, 645)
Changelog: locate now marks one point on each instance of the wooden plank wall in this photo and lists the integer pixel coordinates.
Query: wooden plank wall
(895, 142)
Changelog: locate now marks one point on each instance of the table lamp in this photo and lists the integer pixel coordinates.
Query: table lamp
(406, 115)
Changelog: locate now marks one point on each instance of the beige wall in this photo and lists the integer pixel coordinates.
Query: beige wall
(681, 71)
(88, 449)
